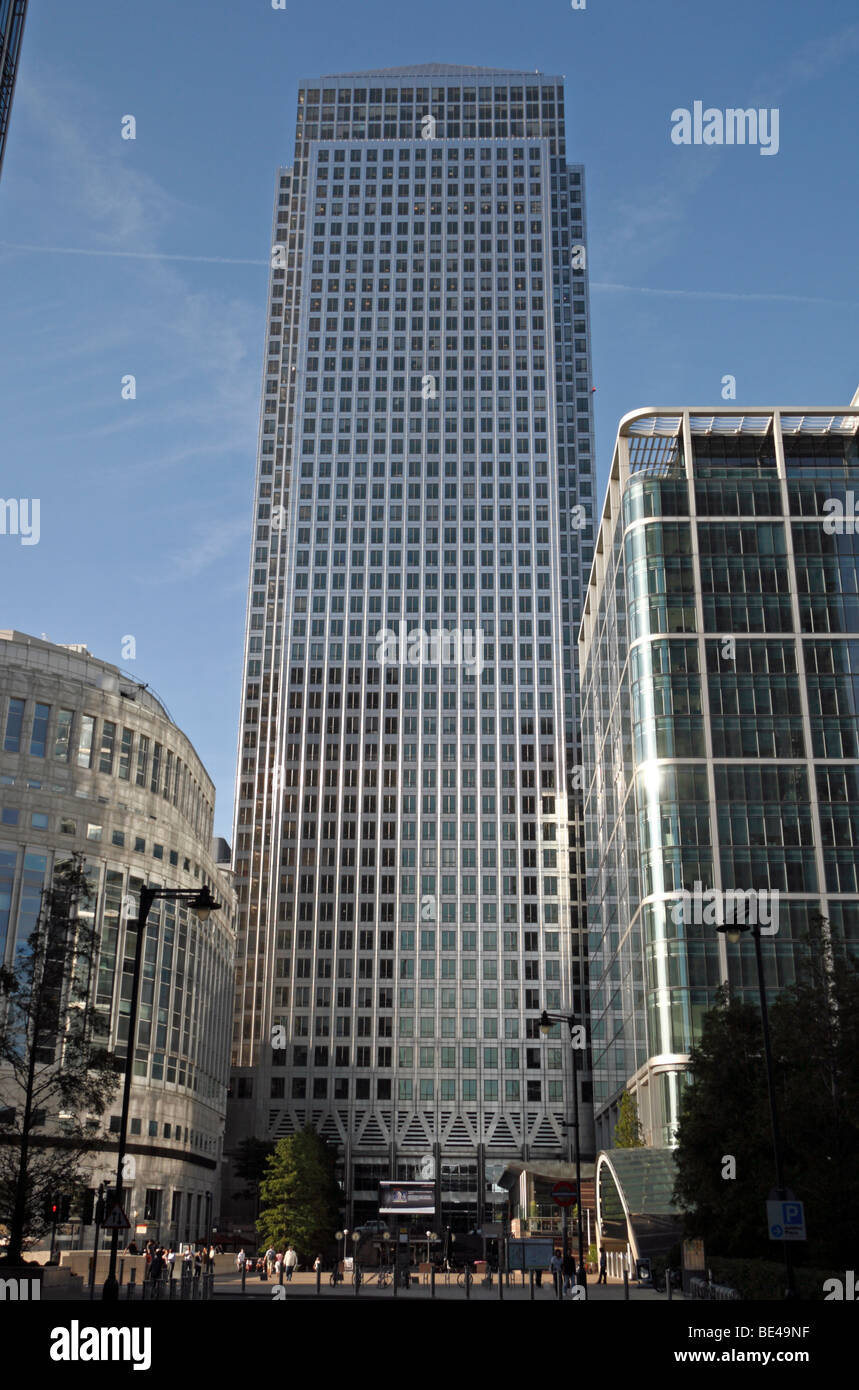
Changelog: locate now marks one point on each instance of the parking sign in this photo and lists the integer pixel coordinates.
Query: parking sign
(786, 1220)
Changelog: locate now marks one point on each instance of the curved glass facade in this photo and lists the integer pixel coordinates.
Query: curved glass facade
(719, 727)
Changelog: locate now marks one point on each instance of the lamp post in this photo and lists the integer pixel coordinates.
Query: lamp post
(733, 931)
(202, 903)
(342, 1235)
(546, 1022)
(431, 1237)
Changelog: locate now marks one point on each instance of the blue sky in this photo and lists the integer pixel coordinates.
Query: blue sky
(704, 261)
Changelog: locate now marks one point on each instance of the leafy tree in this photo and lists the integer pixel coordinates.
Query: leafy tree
(627, 1131)
(300, 1196)
(814, 1027)
(250, 1165)
(56, 1076)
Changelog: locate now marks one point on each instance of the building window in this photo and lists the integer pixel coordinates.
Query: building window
(14, 720)
(39, 736)
(85, 741)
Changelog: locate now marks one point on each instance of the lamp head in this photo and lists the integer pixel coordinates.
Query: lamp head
(204, 904)
(545, 1024)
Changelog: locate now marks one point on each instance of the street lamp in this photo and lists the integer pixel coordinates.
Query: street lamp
(546, 1022)
(733, 931)
(342, 1235)
(431, 1237)
(203, 904)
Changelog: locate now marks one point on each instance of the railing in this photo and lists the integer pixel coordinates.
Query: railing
(169, 1288)
(702, 1288)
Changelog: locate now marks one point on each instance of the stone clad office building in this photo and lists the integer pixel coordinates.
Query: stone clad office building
(407, 862)
(91, 761)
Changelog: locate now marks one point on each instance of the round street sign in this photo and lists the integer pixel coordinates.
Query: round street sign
(564, 1194)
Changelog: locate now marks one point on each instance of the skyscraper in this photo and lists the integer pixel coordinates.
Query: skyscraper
(12, 16)
(719, 660)
(408, 885)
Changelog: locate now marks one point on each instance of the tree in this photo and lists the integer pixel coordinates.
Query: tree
(814, 1026)
(300, 1195)
(56, 1075)
(627, 1131)
(250, 1164)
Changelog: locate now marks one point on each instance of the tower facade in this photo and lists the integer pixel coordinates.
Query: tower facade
(12, 16)
(718, 657)
(406, 856)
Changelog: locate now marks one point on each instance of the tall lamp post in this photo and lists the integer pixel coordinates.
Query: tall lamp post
(202, 903)
(733, 931)
(547, 1021)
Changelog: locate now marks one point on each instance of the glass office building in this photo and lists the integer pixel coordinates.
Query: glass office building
(12, 16)
(719, 655)
(406, 856)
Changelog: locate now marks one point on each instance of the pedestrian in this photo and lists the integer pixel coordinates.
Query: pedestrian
(157, 1265)
(290, 1261)
(603, 1267)
(269, 1259)
(171, 1261)
(556, 1264)
(198, 1264)
(240, 1260)
(262, 1266)
(569, 1265)
(317, 1264)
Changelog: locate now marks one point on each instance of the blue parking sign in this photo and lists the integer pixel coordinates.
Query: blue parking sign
(786, 1220)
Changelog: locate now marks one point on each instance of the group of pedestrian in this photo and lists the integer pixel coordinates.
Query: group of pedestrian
(269, 1265)
(161, 1260)
(563, 1268)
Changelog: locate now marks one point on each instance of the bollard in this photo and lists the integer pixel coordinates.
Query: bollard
(319, 1279)
(432, 1281)
(668, 1283)
(356, 1275)
(280, 1275)
(468, 1281)
(500, 1282)
(129, 1292)
(625, 1281)
(121, 1268)
(531, 1281)
(245, 1274)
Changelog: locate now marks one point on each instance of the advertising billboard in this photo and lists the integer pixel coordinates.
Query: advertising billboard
(407, 1198)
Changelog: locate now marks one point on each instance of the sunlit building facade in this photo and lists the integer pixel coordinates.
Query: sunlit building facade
(406, 856)
(720, 659)
(92, 763)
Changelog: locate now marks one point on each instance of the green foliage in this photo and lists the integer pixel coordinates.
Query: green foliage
(56, 1076)
(300, 1196)
(725, 1111)
(764, 1279)
(627, 1131)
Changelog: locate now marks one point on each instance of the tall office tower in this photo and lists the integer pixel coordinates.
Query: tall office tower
(403, 857)
(12, 16)
(719, 658)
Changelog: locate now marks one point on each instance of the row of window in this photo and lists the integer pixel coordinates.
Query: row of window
(106, 747)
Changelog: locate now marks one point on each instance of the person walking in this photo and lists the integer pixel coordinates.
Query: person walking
(569, 1265)
(240, 1260)
(290, 1262)
(603, 1267)
(556, 1265)
(317, 1264)
(269, 1260)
